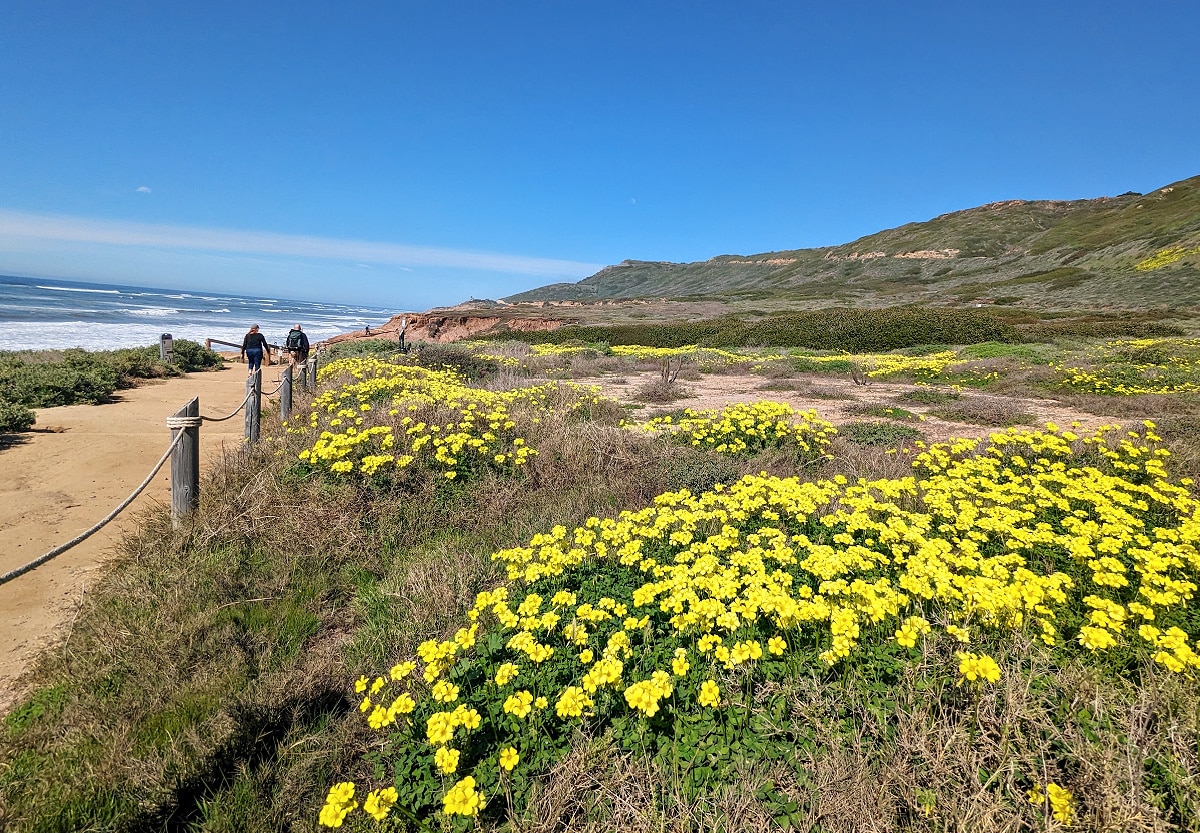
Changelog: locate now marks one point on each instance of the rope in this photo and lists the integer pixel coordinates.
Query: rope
(214, 419)
(83, 536)
(174, 422)
(273, 392)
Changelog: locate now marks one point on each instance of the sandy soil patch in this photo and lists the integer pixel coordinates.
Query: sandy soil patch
(833, 398)
(79, 463)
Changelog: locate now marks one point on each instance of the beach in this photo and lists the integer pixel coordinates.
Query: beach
(68, 473)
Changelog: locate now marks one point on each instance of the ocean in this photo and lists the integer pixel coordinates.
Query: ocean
(44, 314)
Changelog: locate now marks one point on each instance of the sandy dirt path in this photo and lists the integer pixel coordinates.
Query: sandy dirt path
(834, 399)
(79, 463)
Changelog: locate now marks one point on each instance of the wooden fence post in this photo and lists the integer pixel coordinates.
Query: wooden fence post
(185, 463)
(285, 394)
(253, 404)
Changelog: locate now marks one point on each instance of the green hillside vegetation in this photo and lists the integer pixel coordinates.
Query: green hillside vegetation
(1048, 254)
(47, 378)
(280, 661)
(854, 330)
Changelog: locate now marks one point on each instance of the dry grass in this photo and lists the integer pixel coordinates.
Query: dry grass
(984, 410)
(658, 392)
(807, 388)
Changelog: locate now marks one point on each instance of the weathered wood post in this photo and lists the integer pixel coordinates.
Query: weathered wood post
(316, 362)
(185, 461)
(285, 394)
(253, 404)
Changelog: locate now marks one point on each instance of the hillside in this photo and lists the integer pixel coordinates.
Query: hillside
(1051, 254)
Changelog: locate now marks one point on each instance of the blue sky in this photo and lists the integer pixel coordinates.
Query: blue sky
(409, 154)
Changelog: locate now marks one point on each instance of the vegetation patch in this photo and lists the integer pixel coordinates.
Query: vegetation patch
(929, 396)
(661, 627)
(45, 379)
(878, 409)
(879, 433)
(980, 410)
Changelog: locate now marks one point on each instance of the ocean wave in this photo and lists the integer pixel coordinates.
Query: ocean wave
(77, 289)
(151, 312)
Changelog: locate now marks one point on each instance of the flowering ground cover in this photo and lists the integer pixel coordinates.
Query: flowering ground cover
(1125, 367)
(656, 625)
(378, 624)
(388, 416)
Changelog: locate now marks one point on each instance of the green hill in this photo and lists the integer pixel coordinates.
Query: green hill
(1064, 254)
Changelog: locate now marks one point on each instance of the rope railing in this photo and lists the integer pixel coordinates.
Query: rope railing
(185, 481)
(88, 533)
(236, 411)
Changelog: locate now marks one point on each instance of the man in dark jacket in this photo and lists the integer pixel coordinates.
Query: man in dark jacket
(297, 345)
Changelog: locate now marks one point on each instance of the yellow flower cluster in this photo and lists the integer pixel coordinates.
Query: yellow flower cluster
(1113, 368)
(1165, 258)
(1062, 802)
(422, 417)
(338, 804)
(463, 799)
(965, 541)
(1083, 541)
(745, 428)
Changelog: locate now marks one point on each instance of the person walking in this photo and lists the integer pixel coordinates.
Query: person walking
(254, 347)
(297, 345)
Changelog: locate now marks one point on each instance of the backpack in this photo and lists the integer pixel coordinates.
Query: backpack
(295, 340)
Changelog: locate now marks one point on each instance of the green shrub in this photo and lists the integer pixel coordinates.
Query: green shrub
(928, 396)
(78, 378)
(15, 417)
(190, 356)
(361, 347)
(878, 433)
(852, 330)
(48, 378)
(1047, 330)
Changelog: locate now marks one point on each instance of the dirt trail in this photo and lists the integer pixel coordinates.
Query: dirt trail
(79, 463)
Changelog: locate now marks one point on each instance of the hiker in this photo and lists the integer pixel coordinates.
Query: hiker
(400, 337)
(254, 348)
(367, 330)
(297, 345)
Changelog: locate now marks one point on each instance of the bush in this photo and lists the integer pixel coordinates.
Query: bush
(852, 330)
(15, 417)
(928, 396)
(878, 433)
(190, 356)
(984, 411)
(79, 378)
(49, 378)
(361, 347)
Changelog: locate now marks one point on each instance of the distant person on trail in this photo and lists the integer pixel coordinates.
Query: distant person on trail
(254, 347)
(400, 336)
(297, 345)
(367, 330)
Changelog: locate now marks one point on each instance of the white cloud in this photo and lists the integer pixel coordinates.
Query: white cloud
(17, 228)
(143, 189)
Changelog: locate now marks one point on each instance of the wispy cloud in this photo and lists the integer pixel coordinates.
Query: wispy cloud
(143, 189)
(23, 226)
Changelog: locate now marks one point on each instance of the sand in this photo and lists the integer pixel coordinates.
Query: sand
(71, 471)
